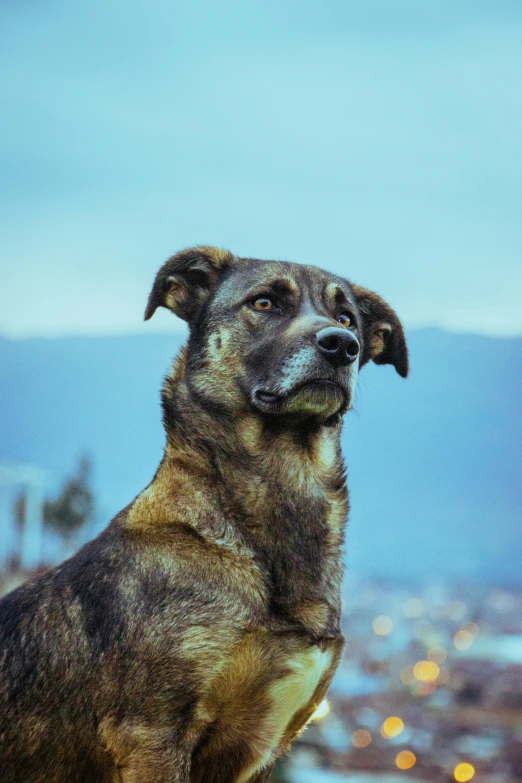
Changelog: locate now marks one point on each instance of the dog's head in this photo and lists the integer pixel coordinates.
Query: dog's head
(281, 339)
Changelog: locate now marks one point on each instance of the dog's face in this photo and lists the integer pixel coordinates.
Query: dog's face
(280, 337)
(277, 338)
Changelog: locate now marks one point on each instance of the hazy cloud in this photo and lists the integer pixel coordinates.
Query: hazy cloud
(379, 140)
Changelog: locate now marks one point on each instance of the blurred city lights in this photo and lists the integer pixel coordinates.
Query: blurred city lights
(437, 654)
(471, 627)
(407, 675)
(426, 671)
(443, 677)
(413, 608)
(423, 630)
(463, 772)
(456, 681)
(438, 611)
(392, 727)
(361, 738)
(405, 759)
(382, 625)
(456, 610)
(425, 688)
(321, 711)
(462, 640)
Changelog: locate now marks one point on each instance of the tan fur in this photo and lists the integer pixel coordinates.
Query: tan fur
(377, 341)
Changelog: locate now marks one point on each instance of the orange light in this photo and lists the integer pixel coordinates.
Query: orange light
(405, 759)
(382, 625)
(426, 671)
(462, 640)
(392, 727)
(361, 738)
(463, 772)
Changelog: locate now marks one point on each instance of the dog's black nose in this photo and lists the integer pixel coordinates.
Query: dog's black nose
(339, 346)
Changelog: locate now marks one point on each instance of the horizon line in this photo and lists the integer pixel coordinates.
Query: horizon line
(182, 331)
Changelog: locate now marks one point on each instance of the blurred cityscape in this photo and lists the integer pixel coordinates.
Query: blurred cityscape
(430, 686)
(429, 689)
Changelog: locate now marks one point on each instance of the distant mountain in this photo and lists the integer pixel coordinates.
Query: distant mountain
(433, 461)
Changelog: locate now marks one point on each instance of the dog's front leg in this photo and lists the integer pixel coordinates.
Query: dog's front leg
(145, 752)
(262, 777)
(156, 769)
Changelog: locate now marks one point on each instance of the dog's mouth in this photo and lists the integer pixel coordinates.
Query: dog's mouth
(317, 397)
(271, 398)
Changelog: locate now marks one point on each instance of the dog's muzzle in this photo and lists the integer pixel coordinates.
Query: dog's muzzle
(316, 397)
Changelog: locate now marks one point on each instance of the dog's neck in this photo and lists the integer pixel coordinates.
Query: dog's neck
(302, 461)
(280, 492)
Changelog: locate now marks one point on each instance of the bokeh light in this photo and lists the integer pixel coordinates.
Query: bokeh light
(457, 610)
(462, 640)
(407, 675)
(392, 727)
(382, 625)
(405, 759)
(424, 630)
(361, 738)
(437, 654)
(426, 671)
(463, 772)
(425, 688)
(413, 608)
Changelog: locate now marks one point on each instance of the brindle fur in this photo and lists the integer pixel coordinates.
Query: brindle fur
(192, 640)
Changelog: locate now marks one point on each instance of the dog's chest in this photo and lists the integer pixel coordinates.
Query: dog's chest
(286, 699)
(269, 691)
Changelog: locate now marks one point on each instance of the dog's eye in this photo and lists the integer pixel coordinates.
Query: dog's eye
(345, 319)
(263, 303)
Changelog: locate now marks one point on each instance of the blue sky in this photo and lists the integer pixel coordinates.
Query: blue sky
(379, 140)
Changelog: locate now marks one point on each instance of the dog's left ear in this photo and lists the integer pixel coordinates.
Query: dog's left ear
(383, 335)
(184, 281)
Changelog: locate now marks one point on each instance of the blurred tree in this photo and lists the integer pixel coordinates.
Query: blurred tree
(19, 509)
(74, 506)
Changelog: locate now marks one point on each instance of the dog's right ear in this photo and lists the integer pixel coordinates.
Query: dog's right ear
(184, 281)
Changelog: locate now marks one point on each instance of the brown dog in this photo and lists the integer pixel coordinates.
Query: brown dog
(193, 639)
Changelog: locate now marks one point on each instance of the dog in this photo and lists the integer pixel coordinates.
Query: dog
(192, 641)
